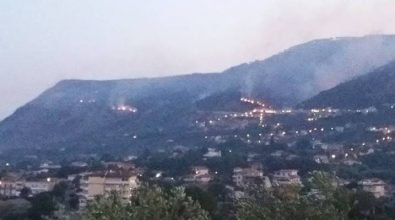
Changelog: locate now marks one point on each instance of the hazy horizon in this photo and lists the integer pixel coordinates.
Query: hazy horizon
(43, 42)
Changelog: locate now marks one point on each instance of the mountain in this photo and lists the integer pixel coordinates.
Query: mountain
(88, 114)
(373, 89)
(305, 70)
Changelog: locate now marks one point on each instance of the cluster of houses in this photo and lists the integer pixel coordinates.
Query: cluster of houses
(11, 186)
(116, 176)
(124, 178)
(254, 176)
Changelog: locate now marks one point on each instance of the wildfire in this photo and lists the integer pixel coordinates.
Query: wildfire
(251, 101)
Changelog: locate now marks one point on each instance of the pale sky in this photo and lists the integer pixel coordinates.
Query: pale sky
(44, 41)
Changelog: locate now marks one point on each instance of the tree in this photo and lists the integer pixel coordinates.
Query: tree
(109, 207)
(148, 202)
(337, 200)
(217, 189)
(279, 204)
(304, 145)
(73, 202)
(43, 204)
(106, 157)
(25, 192)
(289, 203)
(59, 191)
(205, 198)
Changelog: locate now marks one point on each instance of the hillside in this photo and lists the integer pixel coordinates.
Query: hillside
(373, 89)
(303, 71)
(113, 114)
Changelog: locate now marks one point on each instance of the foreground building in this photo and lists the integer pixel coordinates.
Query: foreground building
(96, 184)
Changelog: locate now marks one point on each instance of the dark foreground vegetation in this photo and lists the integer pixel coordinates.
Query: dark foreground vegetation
(320, 199)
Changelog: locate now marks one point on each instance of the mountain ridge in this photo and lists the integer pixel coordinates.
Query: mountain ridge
(372, 89)
(82, 113)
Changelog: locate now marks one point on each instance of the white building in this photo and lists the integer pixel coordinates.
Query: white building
(200, 170)
(79, 164)
(10, 187)
(200, 175)
(375, 186)
(39, 186)
(13, 187)
(243, 177)
(286, 177)
(212, 152)
(321, 159)
(351, 162)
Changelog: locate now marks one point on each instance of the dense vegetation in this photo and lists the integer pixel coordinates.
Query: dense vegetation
(151, 203)
(320, 199)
